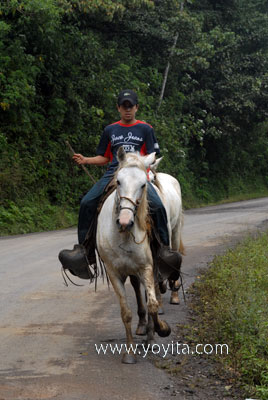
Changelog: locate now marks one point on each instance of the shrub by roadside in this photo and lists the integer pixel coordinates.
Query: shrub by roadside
(230, 304)
(41, 216)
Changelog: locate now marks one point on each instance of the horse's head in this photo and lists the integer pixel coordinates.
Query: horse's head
(131, 179)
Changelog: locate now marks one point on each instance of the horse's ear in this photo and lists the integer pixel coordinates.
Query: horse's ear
(154, 166)
(121, 154)
(148, 160)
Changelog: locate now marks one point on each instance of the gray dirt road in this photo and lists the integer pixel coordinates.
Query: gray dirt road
(48, 331)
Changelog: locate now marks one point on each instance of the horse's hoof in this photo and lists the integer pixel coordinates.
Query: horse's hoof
(129, 358)
(161, 311)
(141, 330)
(164, 330)
(174, 298)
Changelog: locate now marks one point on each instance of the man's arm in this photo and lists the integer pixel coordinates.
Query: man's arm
(98, 160)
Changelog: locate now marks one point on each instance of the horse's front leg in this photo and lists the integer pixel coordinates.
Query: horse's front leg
(142, 324)
(119, 288)
(161, 327)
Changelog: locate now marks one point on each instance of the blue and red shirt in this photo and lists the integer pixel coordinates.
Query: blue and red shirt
(139, 137)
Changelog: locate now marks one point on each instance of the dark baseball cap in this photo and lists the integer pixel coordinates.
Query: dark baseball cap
(127, 95)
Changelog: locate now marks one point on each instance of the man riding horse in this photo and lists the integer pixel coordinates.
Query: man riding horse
(134, 136)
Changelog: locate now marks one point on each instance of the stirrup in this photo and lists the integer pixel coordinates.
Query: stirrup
(78, 262)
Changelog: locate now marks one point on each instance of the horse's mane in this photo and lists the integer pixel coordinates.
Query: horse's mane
(156, 181)
(134, 160)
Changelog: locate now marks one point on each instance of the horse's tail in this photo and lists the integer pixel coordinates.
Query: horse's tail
(181, 248)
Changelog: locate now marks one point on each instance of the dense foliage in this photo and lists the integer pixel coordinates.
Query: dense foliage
(62, 63)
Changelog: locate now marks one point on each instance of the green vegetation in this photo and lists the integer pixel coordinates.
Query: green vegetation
(231, 307)
(62, 63)
(246, 193)
(41, 216)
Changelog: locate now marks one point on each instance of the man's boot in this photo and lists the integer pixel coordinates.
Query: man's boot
(168, 262)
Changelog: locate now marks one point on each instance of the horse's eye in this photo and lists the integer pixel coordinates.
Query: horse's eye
(143, 186)
(118, 183)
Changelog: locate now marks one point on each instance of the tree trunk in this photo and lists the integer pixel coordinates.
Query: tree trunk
(168, 65)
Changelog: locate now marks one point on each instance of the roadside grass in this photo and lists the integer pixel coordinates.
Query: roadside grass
(230, 303)
(192, 202)
(244, 196)
(41, 216)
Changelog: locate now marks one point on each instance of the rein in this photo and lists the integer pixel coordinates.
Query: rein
(133, 237)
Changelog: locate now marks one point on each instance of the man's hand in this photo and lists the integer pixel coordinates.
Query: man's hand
(98, 160)
(79, 159)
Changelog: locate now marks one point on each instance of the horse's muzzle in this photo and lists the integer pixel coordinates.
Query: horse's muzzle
(124, 226)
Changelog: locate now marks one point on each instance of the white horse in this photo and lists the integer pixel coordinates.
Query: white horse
(123, 241)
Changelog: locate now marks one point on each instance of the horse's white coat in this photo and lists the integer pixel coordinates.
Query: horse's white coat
(126, 253)
(171, 198)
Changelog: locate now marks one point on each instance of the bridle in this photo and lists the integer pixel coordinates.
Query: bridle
(135, 204)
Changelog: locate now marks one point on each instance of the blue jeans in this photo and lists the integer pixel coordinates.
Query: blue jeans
(89, 205)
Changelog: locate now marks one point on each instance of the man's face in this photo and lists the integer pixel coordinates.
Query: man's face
(127, 111)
